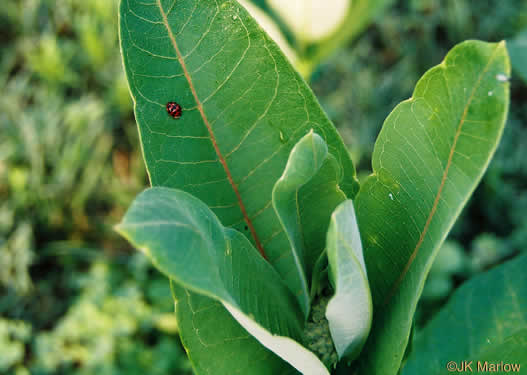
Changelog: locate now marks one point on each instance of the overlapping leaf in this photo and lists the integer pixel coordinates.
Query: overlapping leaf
(317, 200)
(349, 312)
(186, 241)
(309, 157)
(244, 107)
(430, 154)
(215, 341)
(309, 185)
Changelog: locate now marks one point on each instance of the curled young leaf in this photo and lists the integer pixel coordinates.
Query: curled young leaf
(349, 312)
(304, 181)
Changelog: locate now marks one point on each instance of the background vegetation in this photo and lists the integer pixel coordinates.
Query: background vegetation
(74, 297)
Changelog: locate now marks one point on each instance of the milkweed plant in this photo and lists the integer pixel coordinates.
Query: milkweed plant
(280, 262)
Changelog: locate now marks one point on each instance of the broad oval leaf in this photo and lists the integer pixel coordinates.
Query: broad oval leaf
(429, 157)
(307, 158)
(349, 312)
(243, 109)
(186, 241)
(485, 320)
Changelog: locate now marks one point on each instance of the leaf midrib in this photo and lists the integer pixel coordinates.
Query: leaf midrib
(211, 133)
(401, 277)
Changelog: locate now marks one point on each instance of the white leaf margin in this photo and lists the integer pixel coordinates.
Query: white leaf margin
(286, 348)
(350, 310)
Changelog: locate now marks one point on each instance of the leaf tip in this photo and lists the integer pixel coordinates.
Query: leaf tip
(502, 45)
(119, 228)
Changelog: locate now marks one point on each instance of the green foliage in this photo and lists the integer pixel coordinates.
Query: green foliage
(16, 256)
(462, 330)
(69, 164)
(180, 154)
(360, 86)
(349, 311)
(13, 336)
(360, 14)
(58, 113)
(309, 31)
(221, 264)
(294, 193)
(98, 333)
(451, 261)
(113, 326)
(62, 82)
(224, 266)
(217, 343)
(116, 312)
(518, 51)
(428, 159)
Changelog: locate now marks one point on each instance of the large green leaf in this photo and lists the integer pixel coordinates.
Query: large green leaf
(186, 241)
(485, 320)
(244, 107)
(429, 157)
(215, 341)
(510, 351)
(309, 156)
(349, 312)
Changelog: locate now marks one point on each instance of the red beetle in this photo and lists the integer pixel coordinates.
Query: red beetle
(174, 109)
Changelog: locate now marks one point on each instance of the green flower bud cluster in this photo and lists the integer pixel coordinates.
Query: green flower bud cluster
(317, 333)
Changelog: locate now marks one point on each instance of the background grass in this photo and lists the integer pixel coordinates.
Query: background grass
(74, 297)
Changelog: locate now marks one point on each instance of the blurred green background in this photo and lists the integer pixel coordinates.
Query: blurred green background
(74, 297)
